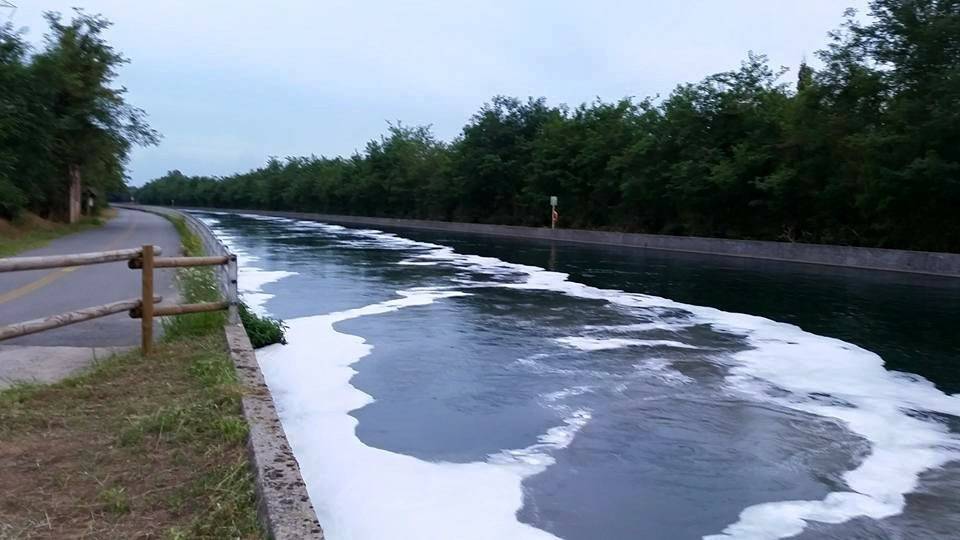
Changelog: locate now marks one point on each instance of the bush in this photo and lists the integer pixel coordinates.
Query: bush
(262, 331)
(12, 199)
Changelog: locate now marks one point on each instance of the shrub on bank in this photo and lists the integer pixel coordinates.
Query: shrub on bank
(262, 331)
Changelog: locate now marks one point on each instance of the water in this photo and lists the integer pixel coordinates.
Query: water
(445, 386)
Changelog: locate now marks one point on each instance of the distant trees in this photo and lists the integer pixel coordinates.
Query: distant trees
(62, 124)
(864, 151)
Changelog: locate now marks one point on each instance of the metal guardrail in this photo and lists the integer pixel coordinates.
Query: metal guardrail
(144, 308)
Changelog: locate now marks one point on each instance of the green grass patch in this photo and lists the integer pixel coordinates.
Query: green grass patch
(192, 245)
(197, 284)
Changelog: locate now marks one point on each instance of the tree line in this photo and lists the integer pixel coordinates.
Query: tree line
(63, 126)
(864, 150)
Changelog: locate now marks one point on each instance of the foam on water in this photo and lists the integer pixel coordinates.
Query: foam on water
(672, 326)
(554, 397)
(361, 492)
(261, 217)
(349, 482)
(600, 344)
(209, 221)
(660, 369)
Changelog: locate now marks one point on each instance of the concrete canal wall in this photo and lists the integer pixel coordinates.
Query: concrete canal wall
(920, 262)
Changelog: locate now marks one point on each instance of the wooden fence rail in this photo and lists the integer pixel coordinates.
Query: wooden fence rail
(143, 308)
(70, 317)
(16, 264)
(180, 262)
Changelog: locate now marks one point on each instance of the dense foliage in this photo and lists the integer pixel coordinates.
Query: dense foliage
(262, 330)
(864, 151)
(59, 111)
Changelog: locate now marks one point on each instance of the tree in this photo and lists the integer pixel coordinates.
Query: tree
(490, 159)
(894, 82)
(93, 127)
(25, 169)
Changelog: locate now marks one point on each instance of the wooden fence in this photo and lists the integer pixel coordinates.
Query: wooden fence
(144, 308)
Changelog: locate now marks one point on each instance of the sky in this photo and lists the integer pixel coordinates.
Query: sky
(230, 83)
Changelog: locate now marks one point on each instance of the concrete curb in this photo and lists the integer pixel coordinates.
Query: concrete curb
(282, 500)
(891, 260)
(283, 503)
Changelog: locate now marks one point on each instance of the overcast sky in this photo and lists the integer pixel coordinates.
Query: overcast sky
(229, 83)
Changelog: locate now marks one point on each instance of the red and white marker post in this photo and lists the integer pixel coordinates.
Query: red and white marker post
(554, 215)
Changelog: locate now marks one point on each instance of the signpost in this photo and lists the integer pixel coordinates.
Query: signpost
(554, 216)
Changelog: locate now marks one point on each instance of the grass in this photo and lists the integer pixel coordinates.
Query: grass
(134, 447)
(31, 231)
(197, 284)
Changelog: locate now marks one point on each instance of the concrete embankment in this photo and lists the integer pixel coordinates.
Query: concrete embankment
(896, 260)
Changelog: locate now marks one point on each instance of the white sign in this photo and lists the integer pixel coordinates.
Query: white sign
(553, 200)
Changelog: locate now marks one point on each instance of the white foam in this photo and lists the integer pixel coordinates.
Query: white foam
(209, 221)
(418, 263)
(250, 281)
(260, 217)
(560, 395)
(535, 458)
(671, 326)
(660, 368)
(360, 492)
(603, 344)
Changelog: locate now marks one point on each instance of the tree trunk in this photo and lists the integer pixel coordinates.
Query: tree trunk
(75, 194)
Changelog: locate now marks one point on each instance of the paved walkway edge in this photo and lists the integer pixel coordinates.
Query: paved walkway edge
(282, 501)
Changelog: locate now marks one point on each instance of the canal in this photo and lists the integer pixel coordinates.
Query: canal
(441, 386)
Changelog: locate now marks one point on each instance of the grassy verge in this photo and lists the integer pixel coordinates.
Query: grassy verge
(196, 285)
(134, 447)
(199, 285)
(30, 231)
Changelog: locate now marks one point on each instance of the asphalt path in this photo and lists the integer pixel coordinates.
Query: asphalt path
(40, 293)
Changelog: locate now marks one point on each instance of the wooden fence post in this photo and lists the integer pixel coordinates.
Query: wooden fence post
(233, 297)
(146, 305)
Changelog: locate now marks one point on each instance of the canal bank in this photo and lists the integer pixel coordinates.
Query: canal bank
(283, 505)
(894, 260)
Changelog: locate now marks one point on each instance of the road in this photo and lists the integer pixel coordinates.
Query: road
(40, 293)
